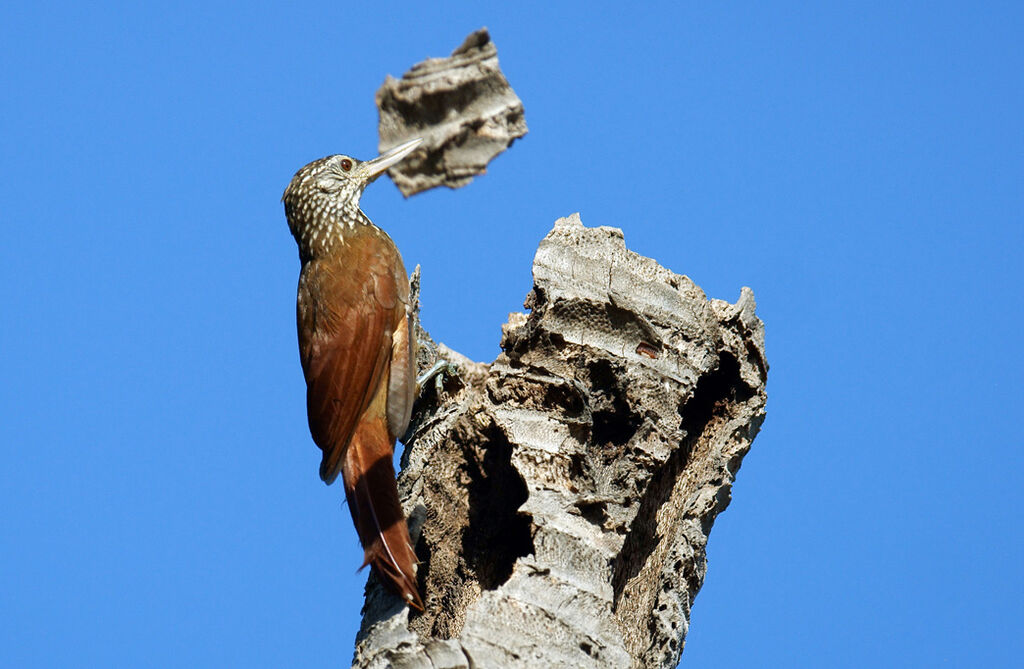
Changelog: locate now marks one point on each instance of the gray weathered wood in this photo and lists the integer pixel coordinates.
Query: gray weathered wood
(561, 497)
(462, 107)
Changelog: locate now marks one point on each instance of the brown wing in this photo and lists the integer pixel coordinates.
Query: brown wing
(402, 378)
(348, 308)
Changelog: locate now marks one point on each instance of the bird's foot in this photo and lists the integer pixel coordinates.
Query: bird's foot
(441, 369)
(424, 404)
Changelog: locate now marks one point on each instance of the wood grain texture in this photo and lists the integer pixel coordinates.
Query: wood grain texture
(562, 496)
(461, 106)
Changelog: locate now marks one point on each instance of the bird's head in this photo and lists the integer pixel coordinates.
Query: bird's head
(325, 193)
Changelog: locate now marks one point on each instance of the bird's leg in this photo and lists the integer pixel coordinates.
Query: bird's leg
(440, 369)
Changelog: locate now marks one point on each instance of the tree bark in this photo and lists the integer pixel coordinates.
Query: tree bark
(561, 497)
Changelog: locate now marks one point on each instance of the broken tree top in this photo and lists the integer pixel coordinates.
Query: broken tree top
(463, 108)
(561, 497)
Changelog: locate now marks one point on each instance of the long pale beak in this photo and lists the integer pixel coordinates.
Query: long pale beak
(374, 168)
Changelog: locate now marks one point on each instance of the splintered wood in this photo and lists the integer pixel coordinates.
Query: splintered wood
(562, 496)
(463, 108)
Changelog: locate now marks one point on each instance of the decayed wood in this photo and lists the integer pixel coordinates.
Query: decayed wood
(462, 107)
(561, 497)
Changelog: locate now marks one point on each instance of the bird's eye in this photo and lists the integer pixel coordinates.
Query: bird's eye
(346, 164)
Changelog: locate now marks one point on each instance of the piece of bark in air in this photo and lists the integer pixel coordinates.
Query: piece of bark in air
(561, 497)
(463, 108)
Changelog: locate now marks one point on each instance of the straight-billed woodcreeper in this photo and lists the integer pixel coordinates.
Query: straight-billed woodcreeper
(357, 350)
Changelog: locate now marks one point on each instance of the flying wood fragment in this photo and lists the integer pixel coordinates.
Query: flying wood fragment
(463, 108)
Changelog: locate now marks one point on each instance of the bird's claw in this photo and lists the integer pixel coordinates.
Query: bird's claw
(440, 369)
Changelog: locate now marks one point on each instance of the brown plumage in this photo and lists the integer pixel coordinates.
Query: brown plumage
(357, 351)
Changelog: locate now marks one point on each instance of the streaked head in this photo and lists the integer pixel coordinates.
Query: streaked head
(325, 193)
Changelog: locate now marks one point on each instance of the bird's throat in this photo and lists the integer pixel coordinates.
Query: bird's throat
(324, 229)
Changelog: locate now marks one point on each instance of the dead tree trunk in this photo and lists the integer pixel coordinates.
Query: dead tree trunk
(561, 497)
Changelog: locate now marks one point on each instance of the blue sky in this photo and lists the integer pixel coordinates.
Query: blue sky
(859, 165)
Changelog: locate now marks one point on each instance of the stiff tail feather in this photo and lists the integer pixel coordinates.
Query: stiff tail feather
(372, 493)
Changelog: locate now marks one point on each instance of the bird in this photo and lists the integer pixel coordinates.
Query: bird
(357, 349)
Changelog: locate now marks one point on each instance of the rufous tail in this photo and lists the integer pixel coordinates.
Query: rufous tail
(369, 478)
